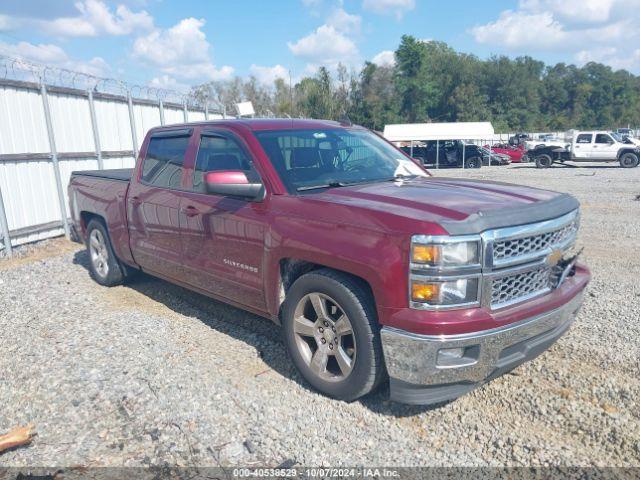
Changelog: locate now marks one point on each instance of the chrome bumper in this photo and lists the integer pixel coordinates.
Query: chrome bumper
(426, 369)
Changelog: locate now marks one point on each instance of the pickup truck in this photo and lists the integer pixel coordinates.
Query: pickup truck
(447, 153)
(375, 270)
(595, 146)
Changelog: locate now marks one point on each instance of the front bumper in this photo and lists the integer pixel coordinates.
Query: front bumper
(427, 369)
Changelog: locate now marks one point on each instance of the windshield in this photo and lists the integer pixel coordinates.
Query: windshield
(308, 159)
(617, 136)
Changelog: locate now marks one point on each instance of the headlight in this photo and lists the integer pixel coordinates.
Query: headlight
(462, 291)
(445, 271)
(449, 253)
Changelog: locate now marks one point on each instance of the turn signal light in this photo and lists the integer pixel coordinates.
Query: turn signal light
(425, 292)
(426, 254)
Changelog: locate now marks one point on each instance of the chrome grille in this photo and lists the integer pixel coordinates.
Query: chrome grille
(513, 249)
(520, 286)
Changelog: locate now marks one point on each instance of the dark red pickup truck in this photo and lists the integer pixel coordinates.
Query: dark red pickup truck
(374, 268)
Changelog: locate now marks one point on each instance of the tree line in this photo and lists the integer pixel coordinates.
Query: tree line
(431, 82)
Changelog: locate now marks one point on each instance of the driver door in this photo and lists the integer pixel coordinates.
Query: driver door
(223, 237)
(604, 147)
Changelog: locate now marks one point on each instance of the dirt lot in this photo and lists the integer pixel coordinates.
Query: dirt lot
(151, 374)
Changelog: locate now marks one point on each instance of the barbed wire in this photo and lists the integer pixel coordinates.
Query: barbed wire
(20, 69)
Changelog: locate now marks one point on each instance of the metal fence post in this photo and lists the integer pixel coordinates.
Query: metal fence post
(161, 107)
(411, 149)
(206, 111)
(54, 159)
(96, 134)
(437, 154)
(185, 113)
(463, 152)
(4, 228)
(132, 122)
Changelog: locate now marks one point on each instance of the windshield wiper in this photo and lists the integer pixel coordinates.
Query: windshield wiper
(402, 176)
(332, 184)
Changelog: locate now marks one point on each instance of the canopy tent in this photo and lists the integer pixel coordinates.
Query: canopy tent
(438, 131)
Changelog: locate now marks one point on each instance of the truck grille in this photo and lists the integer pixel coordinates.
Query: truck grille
(520, 286)
(512, 249)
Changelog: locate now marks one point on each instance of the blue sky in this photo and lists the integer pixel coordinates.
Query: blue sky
(181, 43)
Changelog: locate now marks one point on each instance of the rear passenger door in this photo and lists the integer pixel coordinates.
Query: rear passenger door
(153, 203)
(583, 146)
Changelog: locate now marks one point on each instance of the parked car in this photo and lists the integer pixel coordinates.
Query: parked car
(595, 146)
(373, 268)
(625, 132)
(518, 139)
(515, 154)
(490, 157)
(449, 153)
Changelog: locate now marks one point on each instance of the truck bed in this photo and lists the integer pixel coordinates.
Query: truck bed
(120, 174)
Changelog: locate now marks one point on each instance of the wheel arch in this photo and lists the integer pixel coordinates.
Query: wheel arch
(290, 269)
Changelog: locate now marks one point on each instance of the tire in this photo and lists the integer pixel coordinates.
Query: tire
(473, 162)
(310, 338)
(629, 160)
(544, 161)
(104, 266)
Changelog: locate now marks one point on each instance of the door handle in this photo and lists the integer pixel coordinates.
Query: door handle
(136, 200)
(191, 211)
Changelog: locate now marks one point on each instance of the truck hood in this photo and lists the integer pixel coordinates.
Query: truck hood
(460, 206)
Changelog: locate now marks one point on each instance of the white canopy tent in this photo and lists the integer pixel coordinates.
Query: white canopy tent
(405, 132)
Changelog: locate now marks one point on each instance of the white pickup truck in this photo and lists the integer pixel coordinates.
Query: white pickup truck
(594, 146)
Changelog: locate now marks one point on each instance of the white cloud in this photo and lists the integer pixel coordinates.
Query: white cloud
(5, 23)
(344, 22)
(268, 75)
(181, 51)
(629, 60)
(53, 55)
(331, 43)
(591, 30)
(96, 18)
(385, 58)
(326, 46)
(575, 11)
(518, 29)
(389, 7)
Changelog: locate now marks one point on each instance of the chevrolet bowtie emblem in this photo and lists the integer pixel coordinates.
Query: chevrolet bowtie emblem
(554, 257)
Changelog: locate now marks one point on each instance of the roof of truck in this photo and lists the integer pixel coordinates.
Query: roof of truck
(266, 123)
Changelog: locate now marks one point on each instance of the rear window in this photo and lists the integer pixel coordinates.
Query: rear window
(584, 138)
(164, 162)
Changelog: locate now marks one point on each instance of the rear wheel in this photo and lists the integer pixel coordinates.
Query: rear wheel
(544, 161)
(103, 264)
(332, 335)
(473, 162)
(629, 160)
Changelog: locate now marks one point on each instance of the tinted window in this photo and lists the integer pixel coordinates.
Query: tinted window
(584, 138)
(163, 164)
(219, 153)
(307, 159)
(603, 138)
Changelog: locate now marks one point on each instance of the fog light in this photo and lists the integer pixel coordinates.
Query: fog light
(458, 356)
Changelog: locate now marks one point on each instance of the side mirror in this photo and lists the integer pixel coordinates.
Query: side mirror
(233, 183)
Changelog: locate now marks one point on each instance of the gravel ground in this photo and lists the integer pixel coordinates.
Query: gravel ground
(151, 374)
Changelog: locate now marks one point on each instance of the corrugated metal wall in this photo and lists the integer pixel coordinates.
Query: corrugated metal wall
(30, 198)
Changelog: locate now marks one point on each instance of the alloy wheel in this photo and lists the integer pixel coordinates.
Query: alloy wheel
(99, 253)
(324, 337)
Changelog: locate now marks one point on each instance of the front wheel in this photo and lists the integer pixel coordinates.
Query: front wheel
(629, 160)
(331, 332)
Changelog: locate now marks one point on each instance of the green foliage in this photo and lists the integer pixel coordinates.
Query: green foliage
(432, 82)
